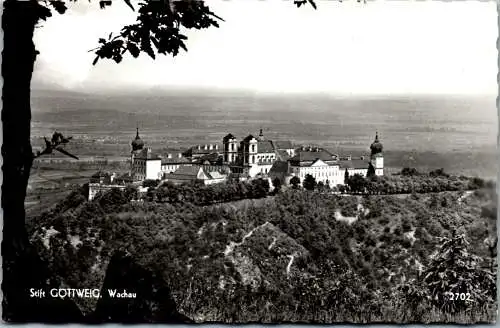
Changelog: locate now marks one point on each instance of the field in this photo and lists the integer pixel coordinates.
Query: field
(458, 134)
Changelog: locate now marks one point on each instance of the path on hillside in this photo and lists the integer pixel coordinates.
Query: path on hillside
(232, 244)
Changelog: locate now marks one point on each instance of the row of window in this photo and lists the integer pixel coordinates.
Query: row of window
(169, 167)
(328, 174)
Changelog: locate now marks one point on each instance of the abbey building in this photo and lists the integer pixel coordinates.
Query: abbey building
(252, 157)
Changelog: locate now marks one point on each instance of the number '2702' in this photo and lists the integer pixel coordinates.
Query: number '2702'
(459, 296)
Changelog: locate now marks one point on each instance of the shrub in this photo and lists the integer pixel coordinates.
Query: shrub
(309, 182)
(455, 270)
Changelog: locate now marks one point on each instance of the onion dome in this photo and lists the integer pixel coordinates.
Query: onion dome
(137, 143)
(376, 147)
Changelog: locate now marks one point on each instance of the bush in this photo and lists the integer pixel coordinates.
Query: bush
(150, 183)
(455, 270)
(407, 171)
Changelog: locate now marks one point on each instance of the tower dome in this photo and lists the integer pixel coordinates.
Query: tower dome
(376, 147)
(137, 143)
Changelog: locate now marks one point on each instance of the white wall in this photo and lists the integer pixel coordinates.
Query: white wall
(332, 173)
(153, 169)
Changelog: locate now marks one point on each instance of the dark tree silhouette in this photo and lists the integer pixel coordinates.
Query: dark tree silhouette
(346, 176)
(159, 25)
(277, 185)
(357, 183)
(371, 171)
(309, 182)
(295, 182)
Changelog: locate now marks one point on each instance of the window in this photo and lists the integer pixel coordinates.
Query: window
(253, 159)
(253, 148)
(232, 147)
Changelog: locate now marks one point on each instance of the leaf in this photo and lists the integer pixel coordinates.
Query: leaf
(133, 49)
(129, 4)
(59, 6)
(183, 46)
(96, 59)
(313, 4)
(155, 42)
(104, 3)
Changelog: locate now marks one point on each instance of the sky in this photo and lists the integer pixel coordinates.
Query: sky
(378, 47)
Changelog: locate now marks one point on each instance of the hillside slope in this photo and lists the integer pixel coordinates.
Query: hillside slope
(292, 257)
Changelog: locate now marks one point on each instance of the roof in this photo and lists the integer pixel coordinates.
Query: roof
(147, 154)
(248, 138)
(194, 150)
(193, 173)
(283, 155)
(187, 170)
(283, 144)
(215, 175)
(174, 160)
(354, 164)
(311, 156)
(212, 158)
(228, 137)
(279, 167)
(265, 146)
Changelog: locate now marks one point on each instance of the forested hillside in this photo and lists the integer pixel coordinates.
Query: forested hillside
(295, 256)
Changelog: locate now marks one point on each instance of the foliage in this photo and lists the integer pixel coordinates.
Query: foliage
(411, 182)
(454, 270)
(295, 182)
(357, 183)
(200, 194)
(309, 182)
(409, 171)
(371, 170)
(158, 29)
(439, 173)
(150, 183)
(277, 185)
(359, 271)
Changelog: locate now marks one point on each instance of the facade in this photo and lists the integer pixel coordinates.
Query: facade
(148, 165)
(254, 155)
(145, 165)
(330, 168)
(172, 162)
(186, 174)
(319, 163)
(103, 182)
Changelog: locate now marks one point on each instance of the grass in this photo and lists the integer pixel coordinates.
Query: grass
(398, 314)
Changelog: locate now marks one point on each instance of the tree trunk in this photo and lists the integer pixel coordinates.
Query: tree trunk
(22, 268)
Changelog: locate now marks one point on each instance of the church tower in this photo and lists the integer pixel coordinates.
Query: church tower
(261, 135)
(137, 145)
(230, 149)
(377, 157)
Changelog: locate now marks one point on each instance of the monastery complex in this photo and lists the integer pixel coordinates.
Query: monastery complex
(251, 157)
(248, 158)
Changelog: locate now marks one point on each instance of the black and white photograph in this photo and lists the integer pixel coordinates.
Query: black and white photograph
(265, 162)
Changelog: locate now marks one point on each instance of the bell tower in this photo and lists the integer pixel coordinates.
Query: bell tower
(377, 157)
